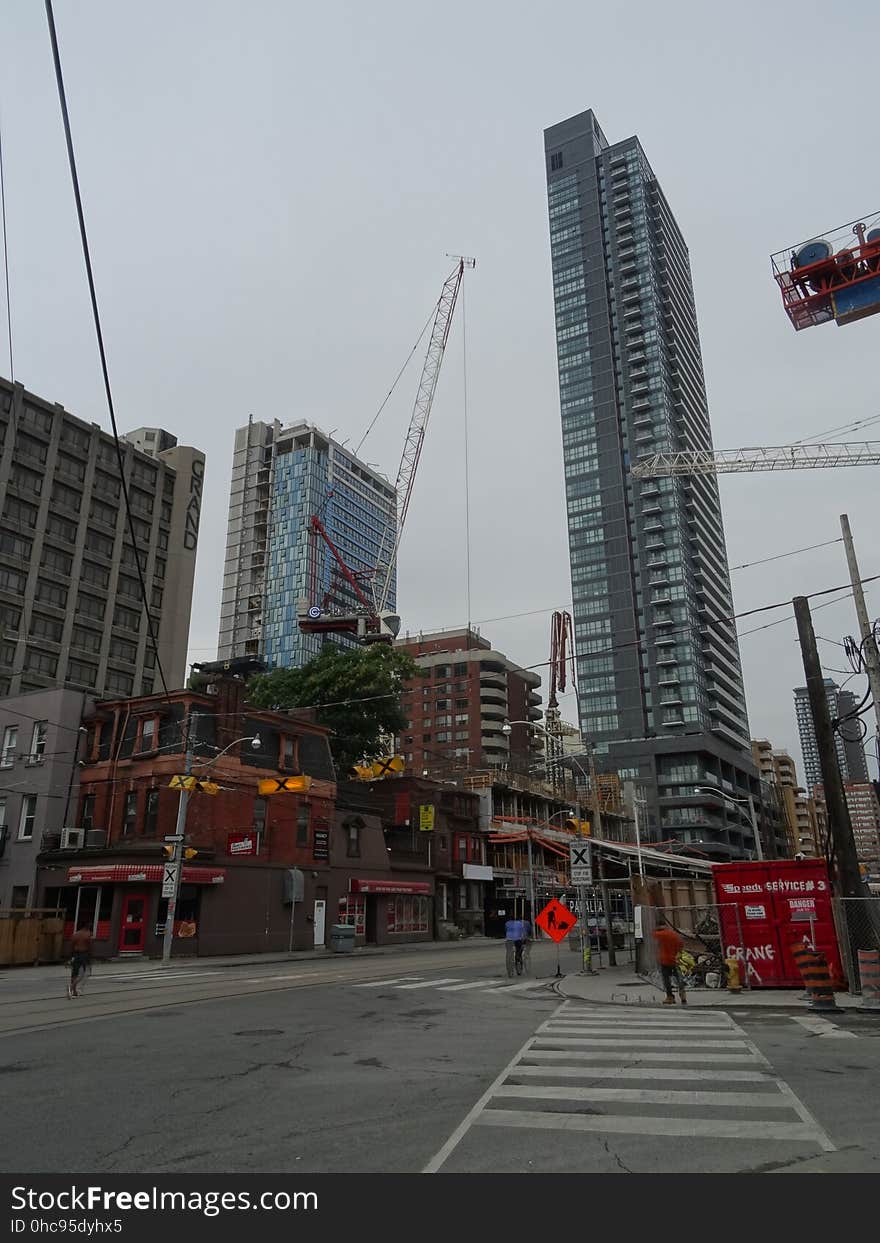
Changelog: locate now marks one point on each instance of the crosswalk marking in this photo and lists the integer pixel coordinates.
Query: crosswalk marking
(382, 983)
(647, 1096)
(821, 1027)
(460, 988)
(430, 983)
(137, 976)
(581, 1056)
(628, 1124)
(517, 988)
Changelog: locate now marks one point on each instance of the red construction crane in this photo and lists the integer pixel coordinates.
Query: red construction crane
(373, 622)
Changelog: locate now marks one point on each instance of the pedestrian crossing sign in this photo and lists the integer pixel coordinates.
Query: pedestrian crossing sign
(556, 920)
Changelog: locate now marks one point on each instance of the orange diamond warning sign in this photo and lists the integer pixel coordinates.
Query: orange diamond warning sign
(556, 920)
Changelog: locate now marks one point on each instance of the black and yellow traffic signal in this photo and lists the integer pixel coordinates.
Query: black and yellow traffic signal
(188, 852)
(285, 785)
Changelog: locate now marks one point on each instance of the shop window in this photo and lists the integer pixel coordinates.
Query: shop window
(408, 914)
(353, 911)
(186, 913)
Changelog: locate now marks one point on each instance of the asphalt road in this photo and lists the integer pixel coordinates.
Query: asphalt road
(419, 1060)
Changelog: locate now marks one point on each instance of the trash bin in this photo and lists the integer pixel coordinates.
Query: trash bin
(342, 938)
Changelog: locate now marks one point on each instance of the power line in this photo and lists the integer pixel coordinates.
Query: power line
(747, 565)
(397, 378)
(120, 458)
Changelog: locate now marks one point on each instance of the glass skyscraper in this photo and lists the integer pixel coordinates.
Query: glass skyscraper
(660, 687)
(281, 476)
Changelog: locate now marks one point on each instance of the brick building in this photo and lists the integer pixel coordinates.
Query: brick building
(457, 709)
(235, 892)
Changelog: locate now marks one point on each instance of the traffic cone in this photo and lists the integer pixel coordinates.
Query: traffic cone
(869, 974)
(813, 967)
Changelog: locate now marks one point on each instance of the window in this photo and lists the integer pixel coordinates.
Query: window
(20, 511)
(82, 672)
(12, 580)
(459, 671)
(126, 619)
(95, 574)
(10, 743)
(99, 511)
(159, 569)
(148, 734)
(288, 752)
(141, 502)
(353, 838)
(302, 824)
(38, 739)
(121, 683)
(55, 559)
(96, 542)
(41, 662)
(407, 914)
(28, 817)
(151, 813)
(353, 911)
(129, 814)
(555, 161)
(46, 628)
(121, 649)
(461, 704)
(67, 498)
(84, 640)
(156, 597)
(27, 480)
(15, 546)
(442, 671)
(70, 467)
(87, 814)
(19, 899)
(75, 437)
(129, 587)
(51, 593)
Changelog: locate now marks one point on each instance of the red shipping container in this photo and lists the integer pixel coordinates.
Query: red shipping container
(766, 908)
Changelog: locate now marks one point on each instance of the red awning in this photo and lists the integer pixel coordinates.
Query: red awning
(149, 874)
(389, 886)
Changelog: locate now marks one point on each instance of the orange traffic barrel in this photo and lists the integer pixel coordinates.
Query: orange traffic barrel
(869, 974)
(813, 967)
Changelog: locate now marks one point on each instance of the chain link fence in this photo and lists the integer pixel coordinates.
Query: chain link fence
(857, 921)
(704, 930)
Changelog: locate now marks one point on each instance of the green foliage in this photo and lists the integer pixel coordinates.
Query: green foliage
(356, 693)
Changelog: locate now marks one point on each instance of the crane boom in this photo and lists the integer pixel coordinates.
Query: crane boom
(749, 461)
(415, 437)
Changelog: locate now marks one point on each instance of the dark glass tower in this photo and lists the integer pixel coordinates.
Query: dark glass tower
(659, 680)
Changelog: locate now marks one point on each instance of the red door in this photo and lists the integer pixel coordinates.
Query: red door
(133, 924)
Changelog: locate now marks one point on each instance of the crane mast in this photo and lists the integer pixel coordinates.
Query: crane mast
(751, 461)
(415, 436)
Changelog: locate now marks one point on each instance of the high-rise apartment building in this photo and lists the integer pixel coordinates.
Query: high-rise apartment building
(282, 476)
(847, 736)
(71, 608)
(864, 812)
(458, 708)
(659, 680)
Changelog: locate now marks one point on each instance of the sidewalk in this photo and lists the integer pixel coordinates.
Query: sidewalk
(209, 962)
(622, 986)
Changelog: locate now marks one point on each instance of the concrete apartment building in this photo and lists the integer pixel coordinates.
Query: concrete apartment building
(457, 711)
(40, 744)
(778, 773)
(847, 738)
(864, 812)
(659, 680)
(71, 611)
(282, 475)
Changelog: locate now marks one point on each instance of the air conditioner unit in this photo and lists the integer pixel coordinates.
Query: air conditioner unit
(73, 839)
(95, 837)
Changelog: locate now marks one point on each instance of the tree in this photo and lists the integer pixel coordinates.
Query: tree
(355, 693)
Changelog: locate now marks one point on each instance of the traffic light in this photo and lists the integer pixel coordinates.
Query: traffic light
(190, 853)
(581, 827)
(285, 785)
(168, 852)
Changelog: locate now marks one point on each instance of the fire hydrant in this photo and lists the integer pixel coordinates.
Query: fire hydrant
(733, 982)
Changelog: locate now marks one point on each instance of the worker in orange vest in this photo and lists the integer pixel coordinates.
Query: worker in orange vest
(669, 945)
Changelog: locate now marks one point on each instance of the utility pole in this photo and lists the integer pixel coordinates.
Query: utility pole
(866, 631)
(176, 860)
(531, 880)
(849, 881)
(603, 887)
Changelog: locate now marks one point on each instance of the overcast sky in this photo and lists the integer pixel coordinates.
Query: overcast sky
(271, 189)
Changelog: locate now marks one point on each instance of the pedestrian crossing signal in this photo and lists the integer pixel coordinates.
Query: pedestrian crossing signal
(386, 766)
(285, 785)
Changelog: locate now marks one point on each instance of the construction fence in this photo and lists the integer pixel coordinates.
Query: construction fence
(703, 927)
(857, 921)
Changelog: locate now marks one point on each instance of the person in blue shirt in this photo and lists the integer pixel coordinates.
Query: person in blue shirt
(518, 931)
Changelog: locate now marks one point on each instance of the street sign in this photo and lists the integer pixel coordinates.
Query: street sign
(173, 837)
(556, 920)
(581, 863)
(426, 817)
(169, 879)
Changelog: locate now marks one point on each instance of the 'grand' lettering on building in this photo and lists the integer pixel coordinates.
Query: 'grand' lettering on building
(194, 507)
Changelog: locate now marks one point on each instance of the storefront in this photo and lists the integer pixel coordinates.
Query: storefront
(386, 912)
(122, 905)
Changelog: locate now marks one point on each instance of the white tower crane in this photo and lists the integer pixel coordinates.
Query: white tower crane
(749, 461)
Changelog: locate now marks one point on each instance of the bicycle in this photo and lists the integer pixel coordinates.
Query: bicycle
(518, 964)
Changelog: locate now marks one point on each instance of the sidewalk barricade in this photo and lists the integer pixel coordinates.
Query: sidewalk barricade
(813, 967)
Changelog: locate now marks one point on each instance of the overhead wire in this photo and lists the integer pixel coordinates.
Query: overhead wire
(397, 379)
(6, 258)
(120, 457)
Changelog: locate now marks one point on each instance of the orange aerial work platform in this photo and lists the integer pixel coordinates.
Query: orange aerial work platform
(832, 277)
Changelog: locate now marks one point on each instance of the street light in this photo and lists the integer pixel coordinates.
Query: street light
(749, 802)
(180, 829)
